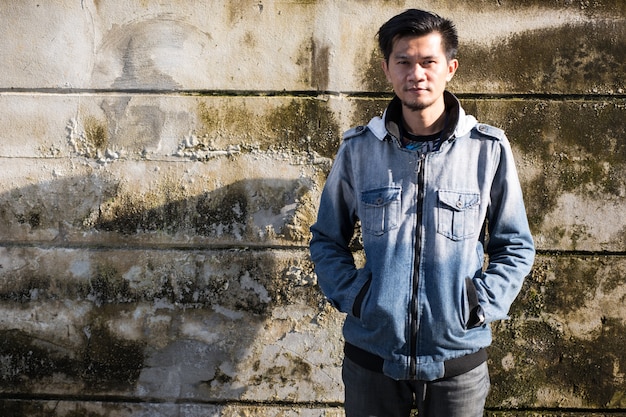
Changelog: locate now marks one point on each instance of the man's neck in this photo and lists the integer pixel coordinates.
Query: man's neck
(425, 122)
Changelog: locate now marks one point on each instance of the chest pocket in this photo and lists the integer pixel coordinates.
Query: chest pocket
(381, 210)
(457, 214)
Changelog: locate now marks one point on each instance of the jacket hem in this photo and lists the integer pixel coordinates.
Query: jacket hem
(452, 367)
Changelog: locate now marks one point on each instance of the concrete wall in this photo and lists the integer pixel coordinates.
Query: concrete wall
(161, 163)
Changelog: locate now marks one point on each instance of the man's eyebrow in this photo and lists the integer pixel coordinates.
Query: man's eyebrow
(406, 56)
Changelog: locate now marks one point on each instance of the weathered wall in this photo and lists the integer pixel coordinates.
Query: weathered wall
(162, 161)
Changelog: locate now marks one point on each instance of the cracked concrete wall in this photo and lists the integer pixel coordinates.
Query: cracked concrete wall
(161, 165)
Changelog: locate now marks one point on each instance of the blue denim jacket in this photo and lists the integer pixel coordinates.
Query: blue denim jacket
(427, 222)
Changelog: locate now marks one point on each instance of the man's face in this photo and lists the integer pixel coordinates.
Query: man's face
(419, 71)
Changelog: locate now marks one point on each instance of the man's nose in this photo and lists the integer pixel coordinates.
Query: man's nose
(416, 73)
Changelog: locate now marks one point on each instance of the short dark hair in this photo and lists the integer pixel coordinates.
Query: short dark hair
(414, 22)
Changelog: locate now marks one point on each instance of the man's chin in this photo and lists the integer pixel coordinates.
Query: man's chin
(415, 105)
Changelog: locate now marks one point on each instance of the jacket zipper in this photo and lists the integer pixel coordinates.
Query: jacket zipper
(414, 319)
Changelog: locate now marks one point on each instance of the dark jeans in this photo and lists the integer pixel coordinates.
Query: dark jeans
(371, 394)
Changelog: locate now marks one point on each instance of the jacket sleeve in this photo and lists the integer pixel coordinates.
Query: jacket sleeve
(510, 246)
(337, 274)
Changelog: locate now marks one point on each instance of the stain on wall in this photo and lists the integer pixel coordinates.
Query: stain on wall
(373, 76)
(569, 155)
(149, 54)
(314, 61)
(563, 348)
(246, 210)
(574, 58)
(104, 363)
(307, 126)
(92, 140)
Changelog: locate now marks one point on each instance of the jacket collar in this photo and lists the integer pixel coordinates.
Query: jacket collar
(459, 123)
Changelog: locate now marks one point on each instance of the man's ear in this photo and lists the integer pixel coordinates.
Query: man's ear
(385, 67)
(453, 64)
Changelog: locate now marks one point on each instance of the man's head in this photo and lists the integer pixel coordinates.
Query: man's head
(415, 22)
(419, 50)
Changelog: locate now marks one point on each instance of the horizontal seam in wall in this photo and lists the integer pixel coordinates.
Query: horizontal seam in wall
(303, 94)
(184, 401)
(155, 247)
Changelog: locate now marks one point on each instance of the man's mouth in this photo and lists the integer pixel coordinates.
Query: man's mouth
(415, 89)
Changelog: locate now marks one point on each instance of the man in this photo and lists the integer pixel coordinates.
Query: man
(434, 192)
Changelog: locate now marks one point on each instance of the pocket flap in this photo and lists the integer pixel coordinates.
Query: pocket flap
(458, 201)
(381, 196)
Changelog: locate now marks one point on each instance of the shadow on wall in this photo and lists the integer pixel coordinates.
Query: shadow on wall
(188, 317)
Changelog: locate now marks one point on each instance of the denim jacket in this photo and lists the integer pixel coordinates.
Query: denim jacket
(443, 233)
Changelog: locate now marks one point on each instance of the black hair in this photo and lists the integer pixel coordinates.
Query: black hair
(414, 22)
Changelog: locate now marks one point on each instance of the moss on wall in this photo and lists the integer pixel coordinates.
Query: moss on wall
(373, 76)
(564, 345)
(534, 362)
(314, 60)
(239, 280)
(108, 286)
(305, 126)
(590, 7)
(586, 57)
(365, 109)
(109, 362)
(571, 146)
(106, 362)
(93, 140)
(247, 209)
(301, 125)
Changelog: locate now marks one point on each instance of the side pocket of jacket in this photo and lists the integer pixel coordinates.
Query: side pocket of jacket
(474, 316)
(358, 301)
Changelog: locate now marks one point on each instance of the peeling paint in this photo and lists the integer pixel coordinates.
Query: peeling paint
(89, 138)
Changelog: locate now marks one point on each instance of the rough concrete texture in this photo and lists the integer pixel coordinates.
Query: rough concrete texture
(162, 162)
(564, 346)
(126, 409)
